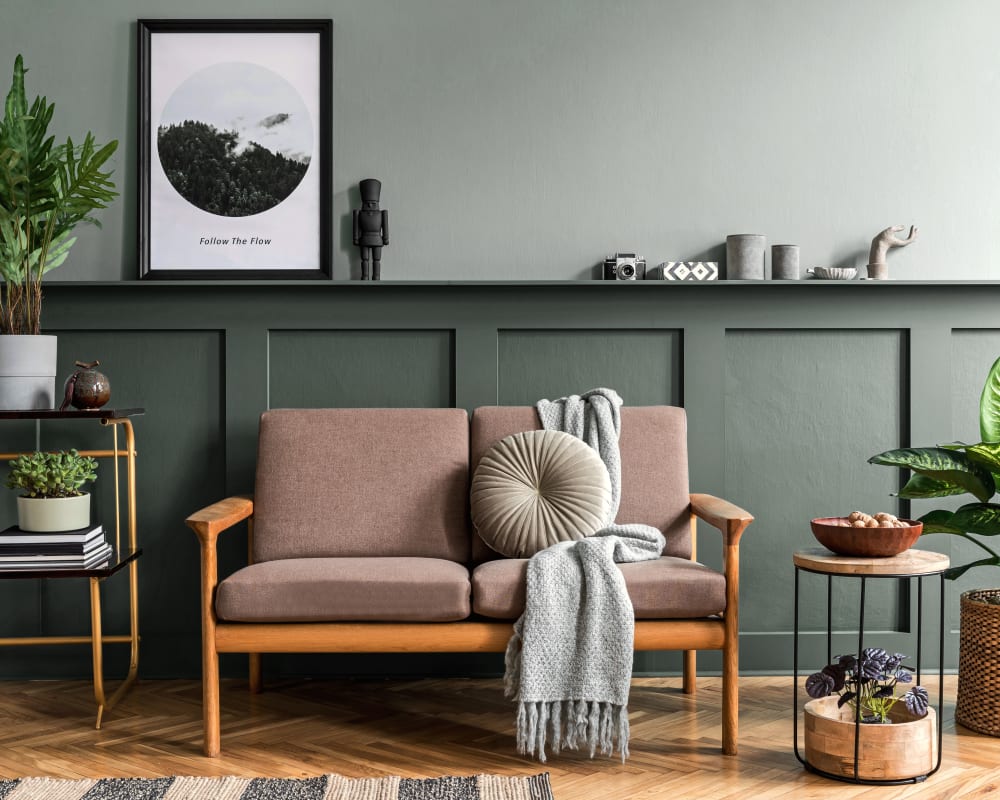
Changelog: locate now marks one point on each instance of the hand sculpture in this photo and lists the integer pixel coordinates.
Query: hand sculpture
(877, 268)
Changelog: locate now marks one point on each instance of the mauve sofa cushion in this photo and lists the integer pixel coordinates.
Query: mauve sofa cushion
(362, 482)
(668, 588)
(380, 589)
(654, 467)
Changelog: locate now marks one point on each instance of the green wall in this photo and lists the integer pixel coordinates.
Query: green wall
(524, 141)
(789, 387)
(527, 139)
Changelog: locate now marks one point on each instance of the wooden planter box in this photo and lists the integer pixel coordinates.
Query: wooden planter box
(905, 749)
(978, 705)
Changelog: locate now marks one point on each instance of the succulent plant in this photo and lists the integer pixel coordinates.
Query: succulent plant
(51, 474)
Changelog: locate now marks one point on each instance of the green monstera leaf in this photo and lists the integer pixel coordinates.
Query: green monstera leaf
(943, 466)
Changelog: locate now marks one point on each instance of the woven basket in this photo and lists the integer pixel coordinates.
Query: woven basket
(978, 705)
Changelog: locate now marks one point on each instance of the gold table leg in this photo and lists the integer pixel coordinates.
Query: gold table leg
(103, 701)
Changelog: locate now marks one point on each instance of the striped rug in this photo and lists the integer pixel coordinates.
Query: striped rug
(326, 787)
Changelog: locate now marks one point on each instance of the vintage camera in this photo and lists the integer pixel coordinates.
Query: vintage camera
(624, 267)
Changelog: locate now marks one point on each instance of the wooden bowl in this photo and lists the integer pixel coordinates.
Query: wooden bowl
(865, 542)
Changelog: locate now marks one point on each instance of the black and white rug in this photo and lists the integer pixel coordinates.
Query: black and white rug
(326, 787)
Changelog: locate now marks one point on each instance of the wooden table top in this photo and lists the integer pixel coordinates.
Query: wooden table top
(909, 562)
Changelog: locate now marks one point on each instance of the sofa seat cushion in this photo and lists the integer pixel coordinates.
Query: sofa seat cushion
(379, 588)
(668, 588)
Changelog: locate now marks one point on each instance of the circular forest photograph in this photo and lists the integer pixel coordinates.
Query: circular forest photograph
(235, 139)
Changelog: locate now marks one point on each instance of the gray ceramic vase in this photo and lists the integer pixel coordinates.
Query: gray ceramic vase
(745, 256)
(785, 262)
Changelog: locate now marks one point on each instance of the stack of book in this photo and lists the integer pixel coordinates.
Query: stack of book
(80, 549)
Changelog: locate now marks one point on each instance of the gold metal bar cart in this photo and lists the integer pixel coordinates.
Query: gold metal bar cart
(121, 559)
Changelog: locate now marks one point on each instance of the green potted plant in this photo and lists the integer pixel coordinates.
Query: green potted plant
(46, 190)
(51, 498)
(863, 689)
(958, 468)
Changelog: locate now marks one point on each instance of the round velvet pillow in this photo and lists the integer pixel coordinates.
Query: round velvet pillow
(537, 488)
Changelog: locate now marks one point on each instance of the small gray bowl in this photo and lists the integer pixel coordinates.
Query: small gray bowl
(834, 273)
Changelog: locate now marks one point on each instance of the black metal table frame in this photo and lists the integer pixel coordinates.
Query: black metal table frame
(861, 636)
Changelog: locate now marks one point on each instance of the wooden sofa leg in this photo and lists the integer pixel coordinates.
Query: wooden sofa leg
(256, 673)
(209, 653)
(690, 682)
(210, 698)
(730, 691)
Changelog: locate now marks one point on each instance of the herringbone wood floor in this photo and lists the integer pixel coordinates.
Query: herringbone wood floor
(436, 727)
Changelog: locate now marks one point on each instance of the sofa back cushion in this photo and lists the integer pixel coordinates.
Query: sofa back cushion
(654, 467)
(362, 482)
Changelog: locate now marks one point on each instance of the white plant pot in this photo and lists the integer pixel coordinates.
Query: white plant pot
(48, 514)
(27, 372)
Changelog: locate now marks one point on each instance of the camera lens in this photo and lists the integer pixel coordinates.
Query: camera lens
(627, 270)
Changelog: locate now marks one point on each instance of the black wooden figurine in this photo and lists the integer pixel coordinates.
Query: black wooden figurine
(371, 228)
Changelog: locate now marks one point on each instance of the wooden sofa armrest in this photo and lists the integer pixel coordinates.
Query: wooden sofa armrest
(208, 523)
(212, 520)
(730, 519)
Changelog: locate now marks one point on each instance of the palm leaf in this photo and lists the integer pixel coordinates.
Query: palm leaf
(27, 177)
(58, 251)
(83, 186)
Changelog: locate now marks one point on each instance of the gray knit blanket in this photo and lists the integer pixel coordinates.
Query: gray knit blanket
(569, 662)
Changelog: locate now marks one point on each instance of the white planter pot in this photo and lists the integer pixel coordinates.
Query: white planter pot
(27, 372)
(48, 514)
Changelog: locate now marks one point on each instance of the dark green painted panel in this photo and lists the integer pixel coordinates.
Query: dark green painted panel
(353, 369)
(202, 347)
(176, 377)
(972, 354)
(804, 411)
(644, 366)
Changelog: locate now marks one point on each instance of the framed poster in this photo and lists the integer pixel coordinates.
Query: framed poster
(235, 150)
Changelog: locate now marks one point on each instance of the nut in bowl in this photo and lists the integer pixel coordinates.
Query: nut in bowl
(862, 535)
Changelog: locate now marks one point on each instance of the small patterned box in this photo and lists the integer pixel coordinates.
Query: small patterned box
(689, 270)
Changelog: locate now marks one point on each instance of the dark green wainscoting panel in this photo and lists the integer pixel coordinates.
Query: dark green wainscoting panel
(176, 377)
(972, 354)
(643, 366)
(789, 387)
(805, 409)
(360, 369)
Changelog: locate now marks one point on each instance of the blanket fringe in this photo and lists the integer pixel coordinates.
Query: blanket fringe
(572, 724)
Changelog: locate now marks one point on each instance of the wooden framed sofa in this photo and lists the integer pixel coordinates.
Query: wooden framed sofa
(360, 541)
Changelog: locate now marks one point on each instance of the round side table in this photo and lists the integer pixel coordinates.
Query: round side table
(909, 565)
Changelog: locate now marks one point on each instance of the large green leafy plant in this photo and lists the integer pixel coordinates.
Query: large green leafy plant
(46, 190)
(959, 468)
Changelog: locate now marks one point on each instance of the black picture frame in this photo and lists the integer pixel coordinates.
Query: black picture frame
(187, 65)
